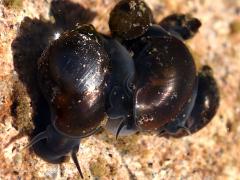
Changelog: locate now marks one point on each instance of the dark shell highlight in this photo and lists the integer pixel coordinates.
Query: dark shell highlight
(72, 78)
(165, 81)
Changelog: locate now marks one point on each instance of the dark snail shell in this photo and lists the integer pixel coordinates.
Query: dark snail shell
(205, 107)
(207, 101)
(72, 75)
(181, 25)
(165, 81)
(130, 19)
(178, 126)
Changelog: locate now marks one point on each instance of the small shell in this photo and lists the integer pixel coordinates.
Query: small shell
(130, 19)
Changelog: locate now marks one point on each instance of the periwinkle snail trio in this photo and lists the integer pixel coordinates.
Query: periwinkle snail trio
(141, 78)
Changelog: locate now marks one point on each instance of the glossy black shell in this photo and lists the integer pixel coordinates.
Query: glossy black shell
(72, 74)
(130, 19)
(205, 107)
(181, 24)
(207, 101)
(165, 81)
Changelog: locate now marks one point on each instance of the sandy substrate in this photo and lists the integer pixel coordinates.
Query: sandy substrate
(212, 153)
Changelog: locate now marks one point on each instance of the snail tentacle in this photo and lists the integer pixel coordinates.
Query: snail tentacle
(37, 138)
(75, 160)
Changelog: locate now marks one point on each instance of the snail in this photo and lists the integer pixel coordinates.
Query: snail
(168, 94)
(143, 78)
(130, 19)
(72, 74)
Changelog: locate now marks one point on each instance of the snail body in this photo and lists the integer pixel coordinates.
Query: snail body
(166, 83)
(165, 88)
(71, 74)
(119, 100)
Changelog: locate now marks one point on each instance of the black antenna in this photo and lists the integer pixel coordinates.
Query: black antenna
(120, 128)
(37, 138)
(75, 160)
